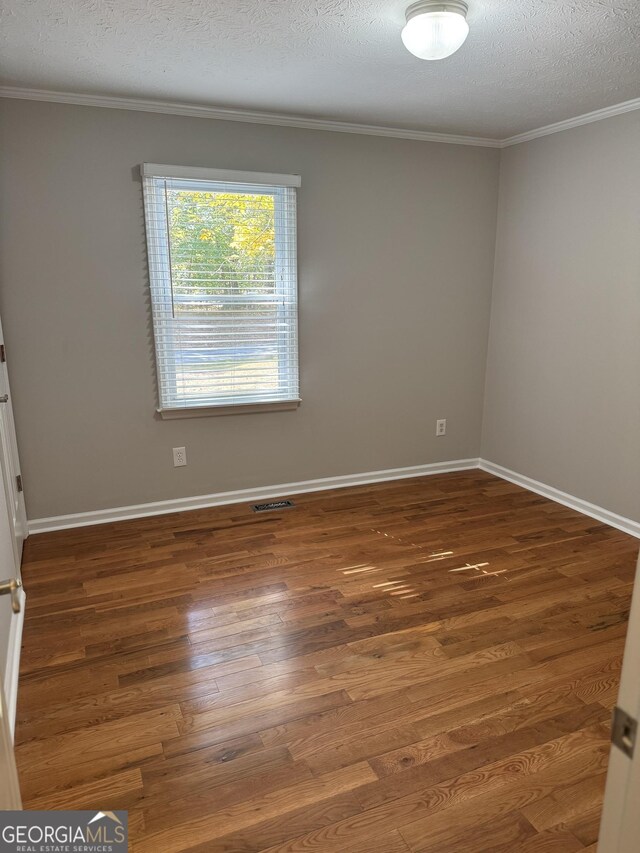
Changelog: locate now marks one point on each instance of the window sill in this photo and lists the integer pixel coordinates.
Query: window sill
(239, 409)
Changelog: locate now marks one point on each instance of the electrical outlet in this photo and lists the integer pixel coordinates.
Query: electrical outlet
(441, 426)
(179, 456)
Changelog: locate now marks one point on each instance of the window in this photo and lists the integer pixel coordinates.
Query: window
(222, 266)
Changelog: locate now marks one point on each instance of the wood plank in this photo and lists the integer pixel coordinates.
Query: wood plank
(113, 791)
(211, 825)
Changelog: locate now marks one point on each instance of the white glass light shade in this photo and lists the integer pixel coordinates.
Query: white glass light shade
(435, 30)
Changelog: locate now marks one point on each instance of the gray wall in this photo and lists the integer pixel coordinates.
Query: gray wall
(563, 377)
(396, 249)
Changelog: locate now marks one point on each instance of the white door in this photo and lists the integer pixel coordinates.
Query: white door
(620, 827)
(13, 530)
(9, 787)
(12, 602)
(10, 464)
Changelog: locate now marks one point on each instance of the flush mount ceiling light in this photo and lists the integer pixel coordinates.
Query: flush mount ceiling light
(435, 30)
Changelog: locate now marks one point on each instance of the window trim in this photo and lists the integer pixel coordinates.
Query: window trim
(231, 176)
(225, 409)
(158, 273)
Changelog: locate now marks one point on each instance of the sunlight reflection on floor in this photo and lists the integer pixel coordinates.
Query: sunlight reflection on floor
(402, 590)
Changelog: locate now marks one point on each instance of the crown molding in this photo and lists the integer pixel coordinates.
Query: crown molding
(577, 121)
(282, 120)
(251, 116)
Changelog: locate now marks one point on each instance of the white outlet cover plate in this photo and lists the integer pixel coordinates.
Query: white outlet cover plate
(179, 456)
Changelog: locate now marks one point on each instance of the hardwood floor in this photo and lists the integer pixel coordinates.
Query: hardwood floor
(424, 666)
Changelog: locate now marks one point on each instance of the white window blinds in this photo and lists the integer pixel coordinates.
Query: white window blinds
(222, 266)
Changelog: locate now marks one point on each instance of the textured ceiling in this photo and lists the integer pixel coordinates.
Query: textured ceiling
(525, 64)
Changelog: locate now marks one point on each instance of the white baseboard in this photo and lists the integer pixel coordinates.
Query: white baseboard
(586, 508)
(104, 516)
